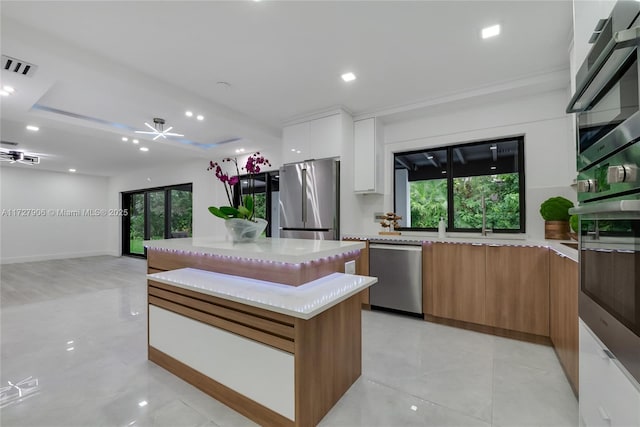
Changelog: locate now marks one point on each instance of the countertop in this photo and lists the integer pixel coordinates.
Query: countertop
(292, 251)
(513, 240)
(304, 302)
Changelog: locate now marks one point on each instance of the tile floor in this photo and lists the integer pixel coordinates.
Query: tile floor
(79, 327)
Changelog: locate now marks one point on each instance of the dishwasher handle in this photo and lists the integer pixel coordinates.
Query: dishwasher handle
(395, 247)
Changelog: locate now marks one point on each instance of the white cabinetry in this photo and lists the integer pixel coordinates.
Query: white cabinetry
(607, 396)
(314, 139)
(368, 157)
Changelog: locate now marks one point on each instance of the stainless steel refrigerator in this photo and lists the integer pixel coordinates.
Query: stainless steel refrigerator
(309, 200)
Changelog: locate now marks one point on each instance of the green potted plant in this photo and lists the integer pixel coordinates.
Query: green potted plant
(555, 212)
(574, 224)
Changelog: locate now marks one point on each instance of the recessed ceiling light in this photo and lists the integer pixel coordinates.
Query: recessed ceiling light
(492, 31)
(4, 93)
(188, 113)
(348, 77)
(298, 151)
(72, 170)
(9, 89)
(240, 150)
(293, 149)
(142, 403)
(135, 141)
(144, 149)
(200, 117)
(33, 128)
(125, 139)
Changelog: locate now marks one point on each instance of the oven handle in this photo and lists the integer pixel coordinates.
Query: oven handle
(620, 206)
(620, 40)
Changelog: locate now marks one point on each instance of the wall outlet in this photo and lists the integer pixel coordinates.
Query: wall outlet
(350, 267)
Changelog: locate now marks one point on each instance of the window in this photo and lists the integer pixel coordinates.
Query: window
(462, 184)
(155, 213)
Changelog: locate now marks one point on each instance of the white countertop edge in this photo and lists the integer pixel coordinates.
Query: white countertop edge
(554, 245)
(262, 250)
(304, 302)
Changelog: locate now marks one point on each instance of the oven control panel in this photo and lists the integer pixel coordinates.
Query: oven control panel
(611, 176)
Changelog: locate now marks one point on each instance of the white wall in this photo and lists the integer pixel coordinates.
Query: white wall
(207, 191)
(549, 150)
(52, 235)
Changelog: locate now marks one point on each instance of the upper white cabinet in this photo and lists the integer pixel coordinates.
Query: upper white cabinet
(314, 139)
(368, 156)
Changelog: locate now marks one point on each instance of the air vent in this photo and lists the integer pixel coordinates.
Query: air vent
(18, 66)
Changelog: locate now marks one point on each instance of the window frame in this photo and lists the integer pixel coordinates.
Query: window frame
(145, 192)
(449, 177)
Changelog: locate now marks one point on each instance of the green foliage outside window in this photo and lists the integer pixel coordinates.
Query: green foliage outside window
(502, 201)
(428, 202)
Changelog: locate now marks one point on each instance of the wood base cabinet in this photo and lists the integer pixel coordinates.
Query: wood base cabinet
(563, 313)
(458, 282)
(517, 295)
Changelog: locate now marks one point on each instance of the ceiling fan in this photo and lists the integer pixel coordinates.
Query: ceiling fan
(157, 129)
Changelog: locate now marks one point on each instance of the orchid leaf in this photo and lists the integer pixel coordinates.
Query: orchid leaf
(246, 213)
(217, 212)
(230, 211)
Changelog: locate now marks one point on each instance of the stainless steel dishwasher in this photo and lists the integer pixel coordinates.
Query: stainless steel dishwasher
(398, 267)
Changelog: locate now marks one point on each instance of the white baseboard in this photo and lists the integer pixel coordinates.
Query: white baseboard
(47, 257)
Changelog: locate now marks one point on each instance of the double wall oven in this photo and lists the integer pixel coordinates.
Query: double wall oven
(608, 144)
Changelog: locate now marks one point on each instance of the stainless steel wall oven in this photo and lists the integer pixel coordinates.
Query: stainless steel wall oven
(608, 144)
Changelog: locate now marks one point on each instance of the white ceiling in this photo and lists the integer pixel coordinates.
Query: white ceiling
(113, 63)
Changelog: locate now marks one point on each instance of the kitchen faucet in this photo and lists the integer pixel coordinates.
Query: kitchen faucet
(484, 230)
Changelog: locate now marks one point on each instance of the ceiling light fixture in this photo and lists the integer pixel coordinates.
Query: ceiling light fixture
(492, 31)
(125, 139)
(4, 93)
(33, 128)
(144, 149)
(72, 170)
(348, 77)
(9, 89)
(240, 150)
(158, 129)
(13, 156)
(188, 113)
(200, 117)
(135, 141)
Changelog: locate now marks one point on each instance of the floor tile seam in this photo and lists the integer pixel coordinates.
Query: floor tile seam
(422, 399)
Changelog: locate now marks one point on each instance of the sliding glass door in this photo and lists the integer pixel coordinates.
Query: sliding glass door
(155, 213)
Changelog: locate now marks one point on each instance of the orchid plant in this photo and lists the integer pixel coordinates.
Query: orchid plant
(242, 206)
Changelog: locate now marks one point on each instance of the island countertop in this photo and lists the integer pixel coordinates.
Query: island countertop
(291, 251)
(303, 302)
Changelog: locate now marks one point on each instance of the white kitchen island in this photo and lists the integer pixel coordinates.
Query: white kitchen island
(280, 353)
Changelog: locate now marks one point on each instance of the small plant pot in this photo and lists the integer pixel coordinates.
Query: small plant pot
(556, 230)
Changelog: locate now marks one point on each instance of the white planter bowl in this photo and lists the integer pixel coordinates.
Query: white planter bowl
(244, 230)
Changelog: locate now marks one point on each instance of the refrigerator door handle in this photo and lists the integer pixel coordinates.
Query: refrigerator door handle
(304, 195)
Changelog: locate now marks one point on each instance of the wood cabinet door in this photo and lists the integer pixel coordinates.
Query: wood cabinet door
(563, 313)
(458, 281)
(517, 289)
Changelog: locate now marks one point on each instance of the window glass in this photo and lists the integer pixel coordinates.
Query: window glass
(463, 184)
